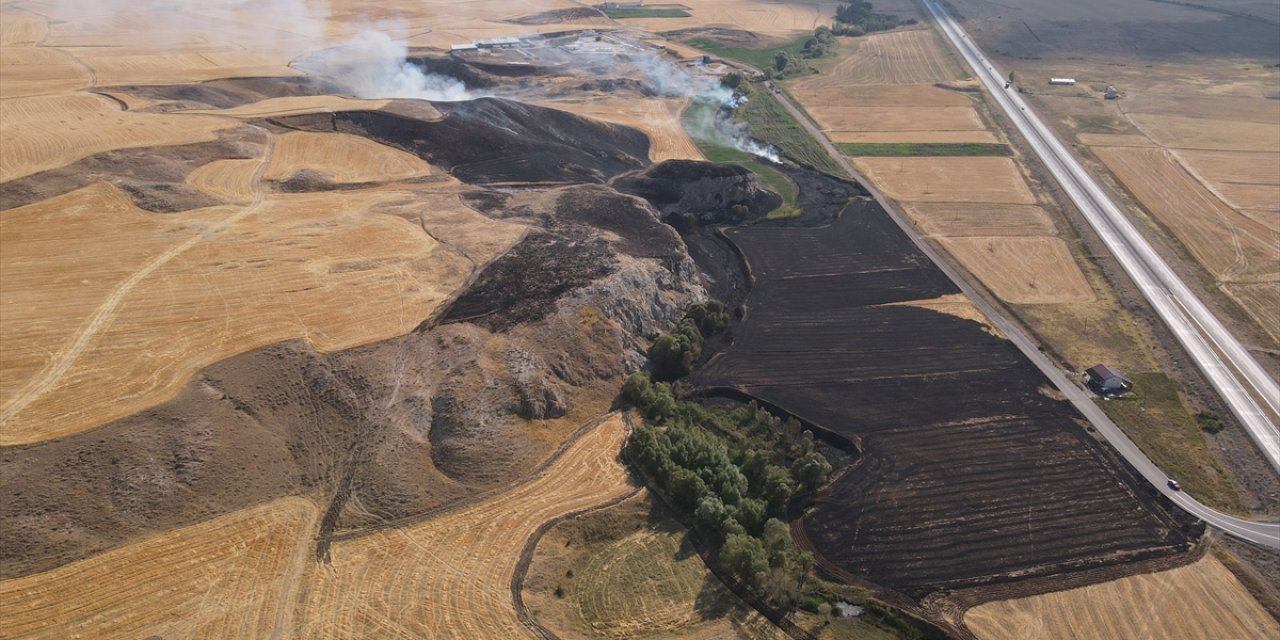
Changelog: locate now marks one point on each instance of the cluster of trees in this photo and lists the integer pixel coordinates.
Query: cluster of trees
(820, 44)
(858, 18)
(726, 471)
(674, 354)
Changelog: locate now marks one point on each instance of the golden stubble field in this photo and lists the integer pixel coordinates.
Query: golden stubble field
(253, 573)
(1202, 600)
(108, 309)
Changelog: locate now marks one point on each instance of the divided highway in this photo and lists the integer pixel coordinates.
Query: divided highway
(1230, 368)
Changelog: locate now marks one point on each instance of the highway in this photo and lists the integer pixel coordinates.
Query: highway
(1228, 366)
(1262, 533)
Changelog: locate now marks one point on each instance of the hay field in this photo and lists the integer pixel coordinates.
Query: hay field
(37, 71)
(1185, 132)
(296, 105)
(1202, 600)
(450, 577)
(1230, 245)
(343, 157)
(657, 118)
(1247, 181)
(231, 577)
(629, 571)
(957, 179)
(781, 19)
(899, 57)
(110, 310)
(1261, 300)
(1023, 270)
(954, 219)
(232, 181)
(895, 119)
(46, 132)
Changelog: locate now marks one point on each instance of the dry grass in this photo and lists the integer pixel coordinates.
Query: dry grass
(1185, 132)
(1230, 245)
(1247, 181)
(955, 220)
(229, 180)
(1202, 600)
(1027, 270)
(1114, 140)
(231, 577)
(984, 179)
(112, 309)
(891, 137)
(50, 131)
(297, 105)
(1085, 334)
(628, 572)
(954, 305)
(761, 16)
(904, 118)
(824, 87)
(902, 57)
(659, 119)
(450, 577)
(37, 71)
(344, 158)
(1262, 301)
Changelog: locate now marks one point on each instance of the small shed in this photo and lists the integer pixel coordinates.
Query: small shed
(1105, 381)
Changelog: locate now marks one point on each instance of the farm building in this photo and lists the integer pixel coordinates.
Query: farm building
(1111, 93)
(1106, 382)
(1066, 81)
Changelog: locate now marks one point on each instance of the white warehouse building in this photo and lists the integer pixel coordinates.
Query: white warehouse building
(1062, 80)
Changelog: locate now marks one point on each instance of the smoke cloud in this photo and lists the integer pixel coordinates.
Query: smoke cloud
(372, 65)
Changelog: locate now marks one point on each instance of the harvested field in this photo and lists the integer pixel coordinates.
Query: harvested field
(1216, 135)
(35, 71)
(298, 105)
(630, 571)
(970, 474)
(980, 136)
(234, 181)
(659, 119)
(340, 269)
(828, 87)
(955, 305)
(426, 580)
(1261, 300)
(1202, 600)
(957, 219)
(1247, 181)
(1114, 140)
(901, 57)
(85, 124)
(123, 65)
(858, 119)
(760, 16)
(1022, 270)
(343, 158)
(1228, 244)
(986, 180)
(233, 576)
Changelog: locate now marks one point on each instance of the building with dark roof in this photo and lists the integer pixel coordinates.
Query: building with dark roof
(1105, 381)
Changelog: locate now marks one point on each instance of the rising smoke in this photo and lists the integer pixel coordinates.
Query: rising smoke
(372, 65)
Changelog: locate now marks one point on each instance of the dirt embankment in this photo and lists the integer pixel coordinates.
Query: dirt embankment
(476, 396)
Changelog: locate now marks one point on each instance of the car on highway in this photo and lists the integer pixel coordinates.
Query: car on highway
(1173, 484)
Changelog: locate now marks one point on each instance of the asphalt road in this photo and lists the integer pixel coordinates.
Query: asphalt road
(1232, 370)
(1262, 533)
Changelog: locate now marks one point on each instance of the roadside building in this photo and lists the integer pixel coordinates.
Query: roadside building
(1062, 81)
(1111, 93)
(1106, 382)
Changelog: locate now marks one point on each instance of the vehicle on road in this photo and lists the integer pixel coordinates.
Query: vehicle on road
(1173, 484)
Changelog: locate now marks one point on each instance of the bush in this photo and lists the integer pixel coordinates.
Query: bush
(1210, 422)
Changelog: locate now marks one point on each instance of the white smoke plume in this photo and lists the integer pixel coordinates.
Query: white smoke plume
(372, 65)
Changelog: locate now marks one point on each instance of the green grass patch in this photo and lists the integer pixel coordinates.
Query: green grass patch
(759, 58)
(1154, 417)
(910, 149)
(769, 121)
(770, 178)
(623, 14)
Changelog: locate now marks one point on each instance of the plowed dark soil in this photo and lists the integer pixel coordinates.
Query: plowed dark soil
(970, 474)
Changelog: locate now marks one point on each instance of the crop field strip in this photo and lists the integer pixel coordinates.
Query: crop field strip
(218, 579)
(1202, 600)
(1007, 484)
(426, 580)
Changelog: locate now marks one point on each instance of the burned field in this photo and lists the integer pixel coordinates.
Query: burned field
(970, 473)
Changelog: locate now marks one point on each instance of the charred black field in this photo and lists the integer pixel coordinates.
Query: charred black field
(970, 473)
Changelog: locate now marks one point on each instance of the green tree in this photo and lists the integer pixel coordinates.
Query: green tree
(744, 557)
(780, 61)
(811, 471)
